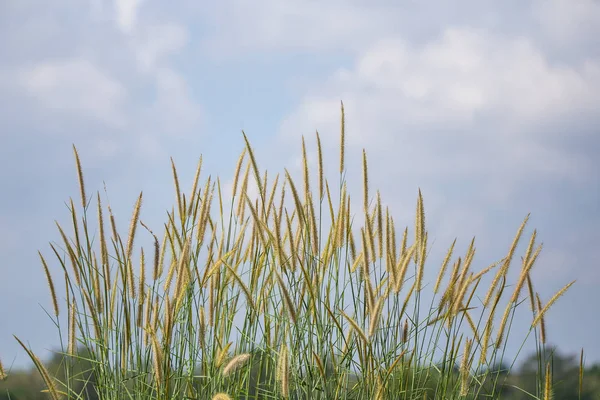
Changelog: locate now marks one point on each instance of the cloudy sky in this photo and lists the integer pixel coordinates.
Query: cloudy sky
(489, 107)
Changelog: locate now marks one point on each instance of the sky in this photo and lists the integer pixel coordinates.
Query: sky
(489, 107)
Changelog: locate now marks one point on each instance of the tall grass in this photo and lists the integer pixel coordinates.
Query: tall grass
(280, 297)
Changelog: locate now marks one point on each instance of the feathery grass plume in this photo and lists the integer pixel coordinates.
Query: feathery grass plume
(133, 226)
(222, 354)
(405, 332)
(460, 295)
(236, 175)
(365, 253)
(177, 190)
(72, 348)
(48, 380)
(379, 225)
(370, 239)
(298, 203)
(50, 285)
(488, 325)
(419, 226)
(550, 303)
(282, 374)
(242, 201)
(201, 326)
(157, 357)
(255, 168)
(3, 375)
(548, 383)
(403, 267)
(193, 193)
(464, 369)
(272, 198)
(542, 320)
(422, 258)
(305, 171)
(320, 163)
(71, 253)
(531, 294)
(289, 304)
(221, 396)
(240, 282)
(313, 224)
(80, 178)
(141, 290)
(375, 316)
(527, 265)
(443, 268)
(507, 260)
(103, 245)
(156, 264)
(293, 253)
(204, 217)
(356, 327)
(342, 138)
(236, 363)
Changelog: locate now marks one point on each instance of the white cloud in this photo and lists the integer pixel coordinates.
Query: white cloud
(127, 14)
(568, 21)
(466, 90)
(76, 85)
(155, 42)
(243, 25)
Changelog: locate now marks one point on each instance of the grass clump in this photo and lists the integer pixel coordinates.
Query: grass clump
(279, 297)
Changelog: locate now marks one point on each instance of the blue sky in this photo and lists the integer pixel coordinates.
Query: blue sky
(489, 107)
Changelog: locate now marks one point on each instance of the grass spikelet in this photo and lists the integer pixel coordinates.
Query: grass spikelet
(193, 194)
(313, 224)
(242, 201)
(255, 168)
(236, 363)
(71, 253)
(542, 320)
(548, 383)
(72, 332)
(531, 294)
(2, 372)
(375, 316)
(298, 203)
(177, 190)
(157, 358)
(50, 285)
(550, 303)
(238, 169)
(287, 299)
(221, 396)
(283, 371)
(80, 178)
(443, 267)
(133, 226)
(504, 269)
(356, 327)
(464, 369)
(305, 171)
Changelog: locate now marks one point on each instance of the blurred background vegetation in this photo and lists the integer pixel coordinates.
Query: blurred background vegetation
(517, 384)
